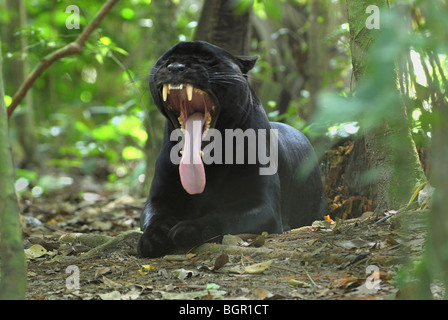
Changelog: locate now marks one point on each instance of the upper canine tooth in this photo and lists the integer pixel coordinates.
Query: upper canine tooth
(189, 92)
(165, 92)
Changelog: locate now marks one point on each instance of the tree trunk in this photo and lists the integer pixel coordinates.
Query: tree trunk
(222, 26)
(163, 34)
(436, 249)
(317, 55)
(13, 263)
(16, 71)
(391, 155)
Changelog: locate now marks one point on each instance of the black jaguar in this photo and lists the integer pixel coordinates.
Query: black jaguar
(201, 88)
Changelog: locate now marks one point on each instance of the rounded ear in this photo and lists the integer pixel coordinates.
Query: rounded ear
(246, 63)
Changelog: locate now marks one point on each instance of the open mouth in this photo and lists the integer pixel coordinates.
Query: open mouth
(184, 100)
(195, 112)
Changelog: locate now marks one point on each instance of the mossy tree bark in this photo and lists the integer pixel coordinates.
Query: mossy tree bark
(437, 246)
(391, 155)
(13, 263)
(221, 25)
(436, 250)
(164, 34)
(16, 70)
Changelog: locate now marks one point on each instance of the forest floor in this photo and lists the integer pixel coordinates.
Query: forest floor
(80, 243)
(85, 248)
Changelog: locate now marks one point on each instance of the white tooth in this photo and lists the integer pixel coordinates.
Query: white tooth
(181, 122)
(175, 87)
(207, 122)
(207, 126)
(165, 92)
(189, 92)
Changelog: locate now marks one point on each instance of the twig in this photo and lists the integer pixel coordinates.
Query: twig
(69, 49)
(311, 279)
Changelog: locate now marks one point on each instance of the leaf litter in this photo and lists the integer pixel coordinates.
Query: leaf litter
(327, 260)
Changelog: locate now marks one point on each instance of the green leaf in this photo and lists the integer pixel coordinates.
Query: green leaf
(8, 100)
(212, 286)
(105, 40)
(132, 153)
(27, 174)
(243, 6)
(131, 125)
(128, 13)
(105, 132)
(120, 50)
(274, 9)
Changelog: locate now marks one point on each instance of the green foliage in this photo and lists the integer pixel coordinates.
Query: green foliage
(378, 96)
(93, 105)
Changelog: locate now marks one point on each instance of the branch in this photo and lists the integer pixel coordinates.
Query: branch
(69, 49)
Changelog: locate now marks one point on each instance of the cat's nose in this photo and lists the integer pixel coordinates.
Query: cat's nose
(176, 67)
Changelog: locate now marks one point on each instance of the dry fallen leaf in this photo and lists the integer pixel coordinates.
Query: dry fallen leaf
(145, 269)
(262, 293)
(114, 295)
(321, 224)
(298, 283)
(258, 242)
(214, 294)
(327, 218)
(182, 273)
(354, 243)
(231, 240)
(110, 283)
(101, 271)
(258, 268)
(349, 282)
(133, 294)
(35, 251)
(221, 261)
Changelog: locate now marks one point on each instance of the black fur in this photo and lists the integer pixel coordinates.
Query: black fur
(236, 198)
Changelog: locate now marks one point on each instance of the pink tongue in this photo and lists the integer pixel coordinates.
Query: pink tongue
(191, 168)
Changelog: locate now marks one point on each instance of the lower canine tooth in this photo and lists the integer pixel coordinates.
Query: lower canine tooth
(181, 122)
(189, 92)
